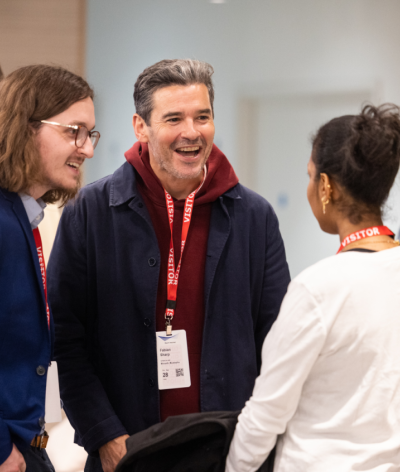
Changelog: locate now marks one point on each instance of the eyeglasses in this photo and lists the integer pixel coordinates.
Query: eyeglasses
(81, 133)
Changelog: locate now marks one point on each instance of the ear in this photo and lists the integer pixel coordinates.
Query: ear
(141, 129)
(325, 187)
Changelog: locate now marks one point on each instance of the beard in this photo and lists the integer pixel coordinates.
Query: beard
(169, 167)
(163, 157)
(63, 195)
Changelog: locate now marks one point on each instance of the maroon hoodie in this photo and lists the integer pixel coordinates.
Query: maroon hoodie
(189, 312)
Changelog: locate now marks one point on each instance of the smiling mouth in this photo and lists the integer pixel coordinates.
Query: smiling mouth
(74, 165)
(191, 151)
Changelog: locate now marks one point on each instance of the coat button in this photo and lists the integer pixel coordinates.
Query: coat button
(41, 422)
(140, 205)
(40, 370)
(147, 322)
(152, 262)
(151, 382)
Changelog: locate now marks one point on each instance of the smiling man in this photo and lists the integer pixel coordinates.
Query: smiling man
(45, 117)
(165, 277)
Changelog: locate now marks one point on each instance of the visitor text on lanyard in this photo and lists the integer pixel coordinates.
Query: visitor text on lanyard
(39, 248)
(173, 275)
(365, 233)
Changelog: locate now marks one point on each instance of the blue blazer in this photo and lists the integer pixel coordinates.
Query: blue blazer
(103, 278)
(25, 340)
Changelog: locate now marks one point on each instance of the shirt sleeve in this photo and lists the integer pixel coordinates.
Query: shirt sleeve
(288, 355)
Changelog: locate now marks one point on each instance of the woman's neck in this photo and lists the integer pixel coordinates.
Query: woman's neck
(346, 227)
(375, 243)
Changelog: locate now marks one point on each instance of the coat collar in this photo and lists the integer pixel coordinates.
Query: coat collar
(10, 196)
(233, 193)
(123, 185)
(124, 188)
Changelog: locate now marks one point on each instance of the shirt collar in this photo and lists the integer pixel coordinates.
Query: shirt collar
(34, 209)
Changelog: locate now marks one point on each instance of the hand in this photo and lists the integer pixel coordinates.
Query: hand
(111, 453)
(14, 463)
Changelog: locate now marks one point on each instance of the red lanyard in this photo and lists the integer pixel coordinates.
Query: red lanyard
(38, 242)
(365, 233)
(173, 275)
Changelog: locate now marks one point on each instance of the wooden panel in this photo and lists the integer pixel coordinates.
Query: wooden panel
(49, 32)
(42, 31)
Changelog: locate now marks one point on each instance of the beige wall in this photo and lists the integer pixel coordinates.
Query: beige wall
(42, 31)
(49, 32)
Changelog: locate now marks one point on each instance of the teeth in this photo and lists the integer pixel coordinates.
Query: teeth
(189, 149)
(73, 164)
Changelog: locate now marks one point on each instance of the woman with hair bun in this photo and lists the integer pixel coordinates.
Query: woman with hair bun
(329, 388)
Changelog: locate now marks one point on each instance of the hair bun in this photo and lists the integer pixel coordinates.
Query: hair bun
(376, 133)
(362, 153)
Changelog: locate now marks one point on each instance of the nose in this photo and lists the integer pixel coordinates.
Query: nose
(189, 130)
(87, 149)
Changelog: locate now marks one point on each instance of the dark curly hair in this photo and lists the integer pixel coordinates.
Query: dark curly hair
(361, 153)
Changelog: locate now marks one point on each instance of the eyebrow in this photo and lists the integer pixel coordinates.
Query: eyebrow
(172, 114)
(205, 111)
(82, 124)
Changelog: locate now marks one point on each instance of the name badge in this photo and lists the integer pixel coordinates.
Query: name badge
(172, 360)
(53, 402)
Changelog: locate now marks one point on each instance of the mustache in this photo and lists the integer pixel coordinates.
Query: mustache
(188, 142)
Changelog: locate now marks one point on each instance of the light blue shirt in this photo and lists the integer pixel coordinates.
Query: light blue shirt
(34, 209)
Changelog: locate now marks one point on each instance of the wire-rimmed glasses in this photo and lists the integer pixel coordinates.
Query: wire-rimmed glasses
(81, 134)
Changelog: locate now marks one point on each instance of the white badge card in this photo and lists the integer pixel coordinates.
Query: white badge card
(172, 360)
(53, 402)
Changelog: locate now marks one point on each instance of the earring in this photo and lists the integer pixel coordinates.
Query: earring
(324, 203)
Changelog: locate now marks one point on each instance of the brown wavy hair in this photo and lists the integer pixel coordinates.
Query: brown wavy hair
(28, 95)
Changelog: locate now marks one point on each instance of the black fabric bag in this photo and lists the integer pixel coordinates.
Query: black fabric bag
(197, 442)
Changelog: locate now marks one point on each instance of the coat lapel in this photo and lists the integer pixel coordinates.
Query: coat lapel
(220, 228)
(21, 215)
(124, 190)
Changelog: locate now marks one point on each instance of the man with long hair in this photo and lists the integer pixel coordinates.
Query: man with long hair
(46, 114)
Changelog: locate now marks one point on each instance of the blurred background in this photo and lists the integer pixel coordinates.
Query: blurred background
(282, 68)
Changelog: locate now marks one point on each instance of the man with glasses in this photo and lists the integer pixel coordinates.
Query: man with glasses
(80, 133)
(165, 277)
(45, 117)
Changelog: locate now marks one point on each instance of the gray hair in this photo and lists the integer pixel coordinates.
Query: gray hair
(170, 72)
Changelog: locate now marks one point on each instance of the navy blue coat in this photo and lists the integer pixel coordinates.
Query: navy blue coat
(25, 340)
(103, 290)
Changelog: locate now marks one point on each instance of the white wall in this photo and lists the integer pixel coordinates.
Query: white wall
(257, 47)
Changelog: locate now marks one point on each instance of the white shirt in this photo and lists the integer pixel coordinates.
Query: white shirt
(330, 379)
